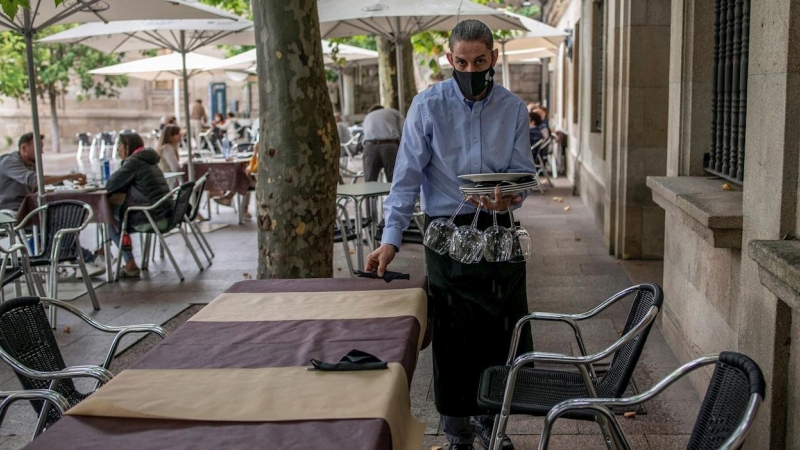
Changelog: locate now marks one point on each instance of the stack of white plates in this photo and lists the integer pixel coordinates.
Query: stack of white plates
(510, 183)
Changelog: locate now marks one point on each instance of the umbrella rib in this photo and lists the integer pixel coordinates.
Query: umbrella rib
(332, 29)
(159, 41)
(216, 37)
(128, 37)
(77, 7)
(368, 28)
(9, 24)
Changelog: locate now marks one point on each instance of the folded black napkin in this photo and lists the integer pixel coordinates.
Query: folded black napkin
(355, 360)
(387, 276)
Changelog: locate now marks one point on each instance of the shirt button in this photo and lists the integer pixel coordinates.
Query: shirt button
(475, 140)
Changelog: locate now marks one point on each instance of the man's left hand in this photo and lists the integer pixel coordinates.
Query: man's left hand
(499, 203)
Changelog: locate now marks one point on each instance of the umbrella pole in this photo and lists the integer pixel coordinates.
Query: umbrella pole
(189, 164)
(398, 48)
(37, 136)
(506, 71)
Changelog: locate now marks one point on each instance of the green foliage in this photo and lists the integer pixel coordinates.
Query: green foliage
(58, 67)
(238, 7)
(11, 7)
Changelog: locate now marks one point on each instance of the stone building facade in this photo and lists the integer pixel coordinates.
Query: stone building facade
(651, 93)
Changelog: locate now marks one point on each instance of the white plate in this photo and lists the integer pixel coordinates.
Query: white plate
(481, 177)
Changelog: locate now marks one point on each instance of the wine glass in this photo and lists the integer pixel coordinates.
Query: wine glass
(522, 244)
(437, 236)
(497, 241)
(466, 244)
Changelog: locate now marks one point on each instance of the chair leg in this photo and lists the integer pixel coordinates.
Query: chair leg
(345, 245)
(122, 234)
(165, 247)
(52, 291)
(190, 246)
(544, 170)
(203, 237)
(195, 231)
(612, 439)
(498, 432)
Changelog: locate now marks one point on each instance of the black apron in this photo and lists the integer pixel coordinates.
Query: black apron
(474, 308)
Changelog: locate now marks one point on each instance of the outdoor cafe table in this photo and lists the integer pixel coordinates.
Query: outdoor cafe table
(224, 176)
(358, 192)
(97, 199)
(234, 375)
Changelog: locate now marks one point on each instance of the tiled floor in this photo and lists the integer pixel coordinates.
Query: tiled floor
(571, 272)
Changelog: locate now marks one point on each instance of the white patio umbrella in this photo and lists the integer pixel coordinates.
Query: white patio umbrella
(518, 56)
(538, 36)
(396, 20)
(163, 67)
(44, 13)
(245, 61)
(180, 36)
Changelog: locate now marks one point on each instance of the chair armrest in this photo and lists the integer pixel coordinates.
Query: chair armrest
(98, 373)
(566, 318)
(29, 217)
(154, 205)
(48, 395)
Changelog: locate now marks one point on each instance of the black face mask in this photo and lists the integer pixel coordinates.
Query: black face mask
(472, 84)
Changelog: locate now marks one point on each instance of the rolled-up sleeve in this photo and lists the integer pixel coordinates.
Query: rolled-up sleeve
(413, 156)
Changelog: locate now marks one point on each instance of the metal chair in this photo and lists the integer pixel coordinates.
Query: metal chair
(517, 389)
(28, 346)
(84, 140)
(543, 145)
(106, 139)
(344, 231)
(15, 265)
(64, 222)
(195, 206)
(347, 154)
(41, 396)
(182, 195)
(728, 411)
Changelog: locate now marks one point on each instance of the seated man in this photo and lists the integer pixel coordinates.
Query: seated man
(18, 174)
(18, 179)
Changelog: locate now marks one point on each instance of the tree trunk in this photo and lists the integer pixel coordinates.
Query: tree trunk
(55, 142)
(299, 146)
(387, 72)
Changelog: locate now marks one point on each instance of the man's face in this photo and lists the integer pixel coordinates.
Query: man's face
(26, 151)
(471, 56)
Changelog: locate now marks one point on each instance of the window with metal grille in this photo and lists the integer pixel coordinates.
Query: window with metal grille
(598, 42)
(729, 89)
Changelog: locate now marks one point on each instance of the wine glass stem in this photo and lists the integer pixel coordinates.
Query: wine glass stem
(475, 219)
(494, 217)
(463, 201)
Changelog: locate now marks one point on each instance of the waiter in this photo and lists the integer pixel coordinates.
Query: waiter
(463, 125)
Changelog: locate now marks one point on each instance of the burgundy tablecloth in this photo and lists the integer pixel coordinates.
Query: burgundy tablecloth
(223, 175)
(98, 200)
(211, 345)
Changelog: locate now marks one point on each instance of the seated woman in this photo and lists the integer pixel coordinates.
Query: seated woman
(168, 149)
(139, 182)
(534, 130)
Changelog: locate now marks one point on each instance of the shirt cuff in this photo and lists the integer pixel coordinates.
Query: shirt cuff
(392, 236)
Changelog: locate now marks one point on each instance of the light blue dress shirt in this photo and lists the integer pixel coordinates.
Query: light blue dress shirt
(445, 135)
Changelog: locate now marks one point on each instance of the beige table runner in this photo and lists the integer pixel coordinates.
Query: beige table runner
(335, 305)
(261, 395)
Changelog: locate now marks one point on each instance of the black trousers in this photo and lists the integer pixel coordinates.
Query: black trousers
(474, 309)
(377, 157)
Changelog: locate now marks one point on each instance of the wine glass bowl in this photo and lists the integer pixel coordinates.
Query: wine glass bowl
(466, 245)
(438, 235)
(522, 245)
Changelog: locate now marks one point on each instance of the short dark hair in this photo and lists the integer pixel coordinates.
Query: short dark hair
(471, 30)
(199, 101)
(535, 118)
(26, 138)
(231, 114)
(131, 141)
(374, 108)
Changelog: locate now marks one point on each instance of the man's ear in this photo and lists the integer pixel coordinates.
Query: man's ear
(495, 54)
(450, 59)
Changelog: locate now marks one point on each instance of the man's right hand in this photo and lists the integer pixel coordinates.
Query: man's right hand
(380, 258)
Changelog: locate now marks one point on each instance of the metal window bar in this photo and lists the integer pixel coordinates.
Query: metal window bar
(729, 90)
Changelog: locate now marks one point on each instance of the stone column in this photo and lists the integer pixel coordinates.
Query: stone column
(770, 199)
(638, 147)
(691, 67)
(349, 107)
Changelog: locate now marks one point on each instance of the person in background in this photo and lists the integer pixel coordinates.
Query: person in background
(197, 119)
(229, 131)
(534, 130)
(168, 149)
(382, 130)
(545, 126)
(168, 120)
(137, 182)
(18, 179)
(252, 170)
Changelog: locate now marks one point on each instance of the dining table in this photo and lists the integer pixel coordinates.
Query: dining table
(225, 176)
(358, 192)
(239, 374)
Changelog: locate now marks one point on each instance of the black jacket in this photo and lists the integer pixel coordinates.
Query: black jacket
(140, 178)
